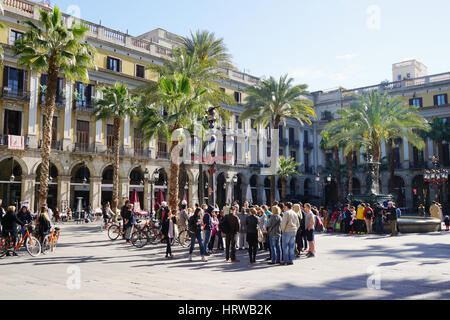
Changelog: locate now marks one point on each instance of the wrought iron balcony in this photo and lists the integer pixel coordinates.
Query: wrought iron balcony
(142, 153)
(55, 145)
(308, 145)
(83, 105)
(163, 155)
(283, 142)
(84, 148)
(60, 101)
(294, 143)
(4, 141)
(15, 94)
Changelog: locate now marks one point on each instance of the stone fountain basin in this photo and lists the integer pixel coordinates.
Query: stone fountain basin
(416, 225)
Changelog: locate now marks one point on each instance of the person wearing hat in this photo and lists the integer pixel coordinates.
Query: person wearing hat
(207, 222)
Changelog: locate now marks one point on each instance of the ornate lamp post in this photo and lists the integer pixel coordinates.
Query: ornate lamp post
(436, 176)
(152, 180)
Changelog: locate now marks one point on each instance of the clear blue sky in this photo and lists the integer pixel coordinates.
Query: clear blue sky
(323, 43)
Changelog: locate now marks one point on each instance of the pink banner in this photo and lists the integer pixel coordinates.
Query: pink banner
(16, 142)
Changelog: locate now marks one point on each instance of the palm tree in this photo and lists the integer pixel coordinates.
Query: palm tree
(192, 76)
(117, 103)
(375, 117)
(271, 102)
(286, 169)
(440, 132)
(180, 109)
(53, 47)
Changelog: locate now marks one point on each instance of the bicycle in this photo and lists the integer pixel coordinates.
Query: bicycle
(184, 238)
(32, 244)
(115, 230)
(51, 240)
(144, 235)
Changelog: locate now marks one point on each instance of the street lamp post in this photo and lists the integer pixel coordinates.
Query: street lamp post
(152, 180)
(212, 119)
(436, 176)
(186, 188)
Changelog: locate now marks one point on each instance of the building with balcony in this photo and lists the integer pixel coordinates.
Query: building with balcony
(430, 94)
(81, 159)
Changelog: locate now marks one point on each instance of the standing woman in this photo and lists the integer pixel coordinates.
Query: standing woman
(168, 231)
(274, 232)
(43, 224)
(252, 223)
(262, 224)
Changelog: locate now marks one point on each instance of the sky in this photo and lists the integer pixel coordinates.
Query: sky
(323, 43)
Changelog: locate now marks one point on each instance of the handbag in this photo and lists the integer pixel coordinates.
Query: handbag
(260, 235)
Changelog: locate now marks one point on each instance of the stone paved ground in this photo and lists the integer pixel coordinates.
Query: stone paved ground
(413, 266)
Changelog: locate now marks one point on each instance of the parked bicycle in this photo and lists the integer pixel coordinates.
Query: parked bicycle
(51, 240)
(31, 243)
(149, 233)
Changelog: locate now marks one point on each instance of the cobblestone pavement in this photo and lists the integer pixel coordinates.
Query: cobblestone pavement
(415, 266)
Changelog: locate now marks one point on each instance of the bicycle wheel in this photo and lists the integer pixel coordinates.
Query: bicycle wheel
(182, 239)
(114, 232)
(139, 239)
(45, 245)
(3, 248)
(153, 236)
(33, 246)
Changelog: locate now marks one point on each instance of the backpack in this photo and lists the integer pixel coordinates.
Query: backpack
(224, 226)
(319, 225)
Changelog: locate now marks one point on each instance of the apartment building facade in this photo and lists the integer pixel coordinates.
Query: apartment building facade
(430, 93)
(81, 160)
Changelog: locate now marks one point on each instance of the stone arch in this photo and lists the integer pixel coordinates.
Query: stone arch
(87, 164)
(23, 165)
(55, 162)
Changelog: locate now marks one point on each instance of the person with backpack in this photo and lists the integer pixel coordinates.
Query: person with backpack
(230, 228)
(43, 224)
(368, 217)
(252, 224)
(195, 226)
(208, 226)
(9, 226)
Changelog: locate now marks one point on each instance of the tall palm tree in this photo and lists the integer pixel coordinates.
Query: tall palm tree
(286, 169)
(198, 62)
(117, 103)
(181, 106)
(271, 102)
(440, 132)
(53, 47)
(374, 117)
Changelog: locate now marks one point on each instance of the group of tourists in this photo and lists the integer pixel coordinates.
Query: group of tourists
(13, 222)
(285, 230)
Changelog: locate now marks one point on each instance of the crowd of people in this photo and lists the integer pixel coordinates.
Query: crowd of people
(284, 230)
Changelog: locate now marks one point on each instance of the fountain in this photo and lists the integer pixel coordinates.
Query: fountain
(405, 224)
(79, 212)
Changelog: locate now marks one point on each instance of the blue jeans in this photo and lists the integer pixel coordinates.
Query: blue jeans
(288, 247)
(275, 249)
(207, 239)
(197, 236)
(379, 227)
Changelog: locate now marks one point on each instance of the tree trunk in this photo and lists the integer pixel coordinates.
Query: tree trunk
(376, 153)
(173, 183)
(337, 164)
(273, 184)
(441, 152)
(283, 189)
(49, 110)
(116, 165)
(350, 171)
